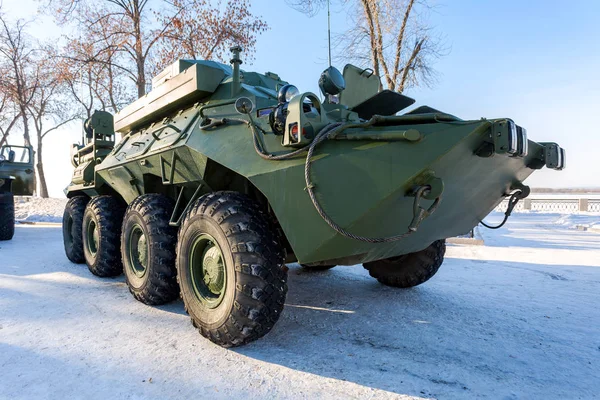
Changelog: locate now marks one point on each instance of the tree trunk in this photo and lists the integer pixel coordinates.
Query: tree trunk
(26, 137)
(43, 192)
(139, 51)
(371, 25)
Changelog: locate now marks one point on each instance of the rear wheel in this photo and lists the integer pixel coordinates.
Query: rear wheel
(101, 228)
(7, 216)
(71, 227)
(230, 266)
(148, 249)
(411, 269)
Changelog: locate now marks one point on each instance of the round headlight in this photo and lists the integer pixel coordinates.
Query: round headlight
(277, 119)
(286, 93)
(332, 82)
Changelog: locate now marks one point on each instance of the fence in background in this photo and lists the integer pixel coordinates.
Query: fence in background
(554, 205)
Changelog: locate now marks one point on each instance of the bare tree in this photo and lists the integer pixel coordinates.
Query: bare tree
(9, 115)
(91, 85)
(119, 34)
(391, 36)
(31, 91)
(134, 38)
(49, 110)
(17, 80)
(204, 31)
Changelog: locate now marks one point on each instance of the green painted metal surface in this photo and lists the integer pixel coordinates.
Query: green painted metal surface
(363, 179)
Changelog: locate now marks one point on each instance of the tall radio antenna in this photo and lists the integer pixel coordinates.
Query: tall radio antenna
(329, 31)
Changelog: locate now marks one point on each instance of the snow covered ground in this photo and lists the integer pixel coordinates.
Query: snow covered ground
(35, 209)
(518, 318)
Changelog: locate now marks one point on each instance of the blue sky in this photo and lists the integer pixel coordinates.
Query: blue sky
(536, 62)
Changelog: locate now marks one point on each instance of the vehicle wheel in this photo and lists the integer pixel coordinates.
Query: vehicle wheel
(7, 216)
(316, 267)
(148, 249)
(411, 269)
(71, 227)
(230, 266)
(101, 229)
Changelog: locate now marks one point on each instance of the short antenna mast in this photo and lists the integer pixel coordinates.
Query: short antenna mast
(329, 31)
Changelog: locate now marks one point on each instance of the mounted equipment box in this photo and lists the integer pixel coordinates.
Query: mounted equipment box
(182, 83)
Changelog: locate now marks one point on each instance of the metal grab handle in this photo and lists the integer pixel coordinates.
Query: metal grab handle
(156, 132)
(420, 213)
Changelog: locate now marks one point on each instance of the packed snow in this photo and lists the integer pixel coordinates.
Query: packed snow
(36, 209)
(579, 220)
(516, 318)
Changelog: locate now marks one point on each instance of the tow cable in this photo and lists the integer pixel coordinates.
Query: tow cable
(512, 202)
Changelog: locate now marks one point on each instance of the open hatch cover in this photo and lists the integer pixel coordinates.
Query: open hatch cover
(383, 103)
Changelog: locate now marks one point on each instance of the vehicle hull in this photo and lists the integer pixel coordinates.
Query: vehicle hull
(363, 185)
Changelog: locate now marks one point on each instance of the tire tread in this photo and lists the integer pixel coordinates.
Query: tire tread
(410, 269)
(7, 216)
(261, 274)
(75, 209)
(161, 286)
(109, 211)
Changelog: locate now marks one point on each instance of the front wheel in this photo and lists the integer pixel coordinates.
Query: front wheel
(230, 265)
(411, 269)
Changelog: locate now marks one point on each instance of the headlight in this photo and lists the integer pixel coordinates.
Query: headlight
(563, 159)
(510, 139)
(554, 156)
(277, 119)
(513, 141)
(523, 149)
(332, 82)
(286, 93)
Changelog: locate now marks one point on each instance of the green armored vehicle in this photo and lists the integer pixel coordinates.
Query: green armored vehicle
(16, 178)
(223, 176)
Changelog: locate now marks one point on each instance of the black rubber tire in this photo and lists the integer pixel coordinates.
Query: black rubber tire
(157, 282)
(316, 267)
(256, 276)
(411, 269)
(7, 216)
(71, 227)
(106, 212)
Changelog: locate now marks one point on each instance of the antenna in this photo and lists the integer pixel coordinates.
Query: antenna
(329, 31)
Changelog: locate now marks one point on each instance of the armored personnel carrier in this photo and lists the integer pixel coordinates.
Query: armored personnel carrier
(223, 176)
(17, 177)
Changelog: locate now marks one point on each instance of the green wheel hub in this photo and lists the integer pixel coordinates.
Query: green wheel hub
(208, 271)
(93, 237)
(138, 251)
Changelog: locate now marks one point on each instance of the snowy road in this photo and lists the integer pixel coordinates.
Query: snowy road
(517, 318)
